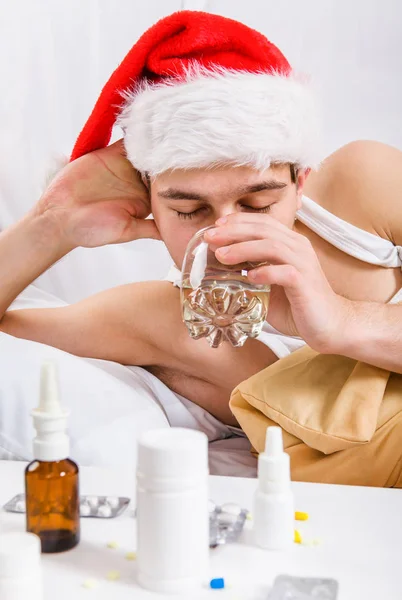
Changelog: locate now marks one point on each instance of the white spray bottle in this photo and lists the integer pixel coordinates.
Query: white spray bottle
(273, 502)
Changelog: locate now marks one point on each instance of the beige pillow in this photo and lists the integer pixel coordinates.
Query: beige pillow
(342, 419)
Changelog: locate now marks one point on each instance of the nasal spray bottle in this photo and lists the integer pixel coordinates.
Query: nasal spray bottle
(51, 480)
(273, 502)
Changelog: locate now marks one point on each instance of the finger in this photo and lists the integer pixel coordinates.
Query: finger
(245, 217)
(286, 276)
(141, 229)
(256, 251)
(239, 232)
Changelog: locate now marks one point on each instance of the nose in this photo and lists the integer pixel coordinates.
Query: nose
(224, 210)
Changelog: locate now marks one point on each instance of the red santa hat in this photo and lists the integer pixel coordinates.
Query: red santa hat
(199, 90)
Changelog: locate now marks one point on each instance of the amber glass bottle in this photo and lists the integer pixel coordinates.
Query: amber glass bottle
(52, 479)
(52, 499)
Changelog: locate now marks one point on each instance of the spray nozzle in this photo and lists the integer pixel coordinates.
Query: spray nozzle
(50, 420)
(49, 402)
(274, 463)
(273, 441)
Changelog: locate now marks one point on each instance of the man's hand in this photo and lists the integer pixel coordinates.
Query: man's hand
(302, 301)
(98, 199)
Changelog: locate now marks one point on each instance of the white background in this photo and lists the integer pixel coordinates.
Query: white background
(55, 55)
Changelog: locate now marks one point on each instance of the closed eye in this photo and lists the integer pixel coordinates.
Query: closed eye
(262, 209)
(194, 213)
(189, 215)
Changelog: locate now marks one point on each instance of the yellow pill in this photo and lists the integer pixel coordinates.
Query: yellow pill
(301, 516)
(131, 556)
(113, 575)
(89, 584)
(298, 538)
(249, 517)
(112, 545)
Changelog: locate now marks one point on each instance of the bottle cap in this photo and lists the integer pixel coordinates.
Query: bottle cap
(274, 463)
(50, 420)
(273, 441)
(20, 554)
(173, 453)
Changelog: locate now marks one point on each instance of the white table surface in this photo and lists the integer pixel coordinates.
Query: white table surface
(360, 530)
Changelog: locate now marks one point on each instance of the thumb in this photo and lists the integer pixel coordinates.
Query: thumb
(141, 229)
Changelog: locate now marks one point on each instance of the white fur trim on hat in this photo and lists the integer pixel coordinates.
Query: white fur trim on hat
(221, 117)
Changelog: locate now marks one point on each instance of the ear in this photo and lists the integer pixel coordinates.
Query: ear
(302, 175)
(146, 181)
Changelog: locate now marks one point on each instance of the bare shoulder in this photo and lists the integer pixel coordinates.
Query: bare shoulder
(362, 183)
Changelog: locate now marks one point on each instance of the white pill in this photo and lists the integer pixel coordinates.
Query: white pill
(231, 509)
(85, 510)
(93, 501)
(20, 506)
(113, 501)
(104, 511)
(90, 584)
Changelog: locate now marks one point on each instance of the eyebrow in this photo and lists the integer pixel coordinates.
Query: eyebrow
(177, 194)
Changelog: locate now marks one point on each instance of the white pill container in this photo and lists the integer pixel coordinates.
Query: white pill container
(20, 567)
(172, 510)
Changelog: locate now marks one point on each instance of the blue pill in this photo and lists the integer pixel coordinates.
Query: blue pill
(217, 584)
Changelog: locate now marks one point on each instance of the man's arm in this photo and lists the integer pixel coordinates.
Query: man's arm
(27, 249)
(96, 200)
(366, 189)
(115, 325)
(372, 333)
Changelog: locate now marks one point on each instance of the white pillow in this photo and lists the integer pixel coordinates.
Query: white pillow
(110, 404)
(86, 271)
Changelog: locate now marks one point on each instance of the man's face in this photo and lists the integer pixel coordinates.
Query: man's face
(184, 201)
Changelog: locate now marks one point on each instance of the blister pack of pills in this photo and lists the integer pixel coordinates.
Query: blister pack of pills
(226, 522)
(101, 507)
(303, 588)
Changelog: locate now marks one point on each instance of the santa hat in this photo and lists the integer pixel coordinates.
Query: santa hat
(199, 90)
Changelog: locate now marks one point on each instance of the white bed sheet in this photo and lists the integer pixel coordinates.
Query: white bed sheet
(110, 405)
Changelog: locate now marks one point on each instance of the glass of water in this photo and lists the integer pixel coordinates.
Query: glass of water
(218, 302)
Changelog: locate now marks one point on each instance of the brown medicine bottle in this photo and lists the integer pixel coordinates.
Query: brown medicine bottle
(52, 479)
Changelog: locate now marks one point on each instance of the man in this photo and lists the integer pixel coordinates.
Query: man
(216, 144)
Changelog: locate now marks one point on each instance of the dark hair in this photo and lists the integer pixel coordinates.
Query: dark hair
(293, 173)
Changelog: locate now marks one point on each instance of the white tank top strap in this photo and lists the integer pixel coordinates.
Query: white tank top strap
(356, 242)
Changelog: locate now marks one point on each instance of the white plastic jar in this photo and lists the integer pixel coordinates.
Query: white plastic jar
(20, 567)
(172, 510)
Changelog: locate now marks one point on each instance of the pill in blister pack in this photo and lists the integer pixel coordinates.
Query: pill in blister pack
(226, 522)
(102, 507)
(287, 587)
